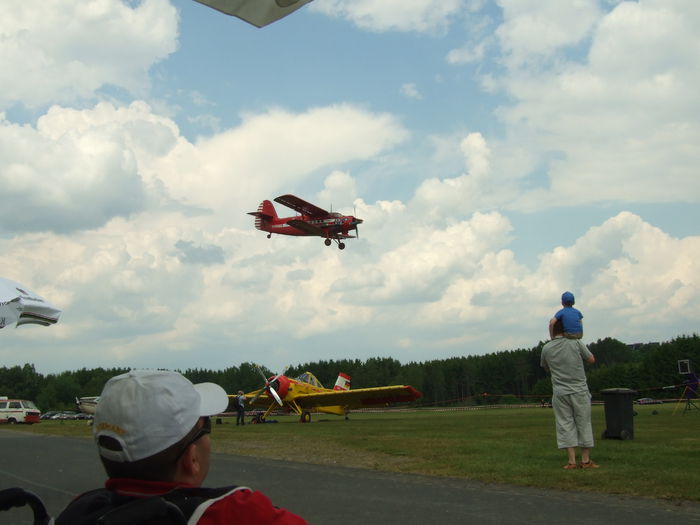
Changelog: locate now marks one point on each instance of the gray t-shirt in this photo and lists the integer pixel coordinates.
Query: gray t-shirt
(564, 357)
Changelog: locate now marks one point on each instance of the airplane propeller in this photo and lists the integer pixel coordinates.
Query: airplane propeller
(268, 386)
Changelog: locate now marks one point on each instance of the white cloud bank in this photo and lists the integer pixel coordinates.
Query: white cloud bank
(54, 51)
(141, 235)
(393, 15)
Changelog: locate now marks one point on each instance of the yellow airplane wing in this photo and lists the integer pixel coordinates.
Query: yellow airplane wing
(360, 397)
(263, 399)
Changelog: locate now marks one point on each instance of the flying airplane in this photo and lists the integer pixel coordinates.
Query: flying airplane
(256, 12)
(306, 393)
(311, 221)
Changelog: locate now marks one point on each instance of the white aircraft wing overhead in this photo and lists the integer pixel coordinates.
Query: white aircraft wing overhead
(257, 12)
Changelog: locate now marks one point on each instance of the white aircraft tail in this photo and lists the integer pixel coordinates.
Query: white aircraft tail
(343, 382)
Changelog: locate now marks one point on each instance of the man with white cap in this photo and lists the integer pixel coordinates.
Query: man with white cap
(152, 433)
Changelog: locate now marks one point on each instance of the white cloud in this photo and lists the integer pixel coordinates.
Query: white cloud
(606, 127)
(268, 151)
(625, 283)
(78, 169)
(630, 273)
(59, 51)
(65, 175)
(467, 54)
(533, 30)
(477, 189)
(339, 188)
(410, 90)
(141, 236)
(423, 16)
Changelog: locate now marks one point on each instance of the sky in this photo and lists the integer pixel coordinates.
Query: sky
(499, 152)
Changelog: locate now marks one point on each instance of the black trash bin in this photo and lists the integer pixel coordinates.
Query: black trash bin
(619, 413)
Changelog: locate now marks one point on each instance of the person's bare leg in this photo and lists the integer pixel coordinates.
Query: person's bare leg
(585, 454)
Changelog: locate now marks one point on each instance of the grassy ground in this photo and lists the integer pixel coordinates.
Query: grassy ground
(515, 446)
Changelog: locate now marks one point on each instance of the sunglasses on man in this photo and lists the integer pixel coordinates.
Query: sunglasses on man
(199, 434)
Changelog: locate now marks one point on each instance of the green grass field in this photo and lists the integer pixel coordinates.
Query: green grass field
(514, 446)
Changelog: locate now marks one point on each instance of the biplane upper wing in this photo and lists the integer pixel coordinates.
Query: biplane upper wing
(306, 227)
(301, 206)
(360, 397)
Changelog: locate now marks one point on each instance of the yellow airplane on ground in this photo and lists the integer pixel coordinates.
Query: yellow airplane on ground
(306, 393)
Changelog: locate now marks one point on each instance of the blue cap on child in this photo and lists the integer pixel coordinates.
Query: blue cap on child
(567, 298)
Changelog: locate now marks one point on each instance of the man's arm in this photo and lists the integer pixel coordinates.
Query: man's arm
(552, 322)
(586, 354)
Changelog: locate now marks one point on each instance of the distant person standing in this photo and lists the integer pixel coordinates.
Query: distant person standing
(240, 408)
(564, 358)
(570, 318)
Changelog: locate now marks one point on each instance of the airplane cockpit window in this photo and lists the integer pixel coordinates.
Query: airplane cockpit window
(308, 377)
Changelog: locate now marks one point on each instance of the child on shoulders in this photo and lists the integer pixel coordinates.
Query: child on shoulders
(570, 318)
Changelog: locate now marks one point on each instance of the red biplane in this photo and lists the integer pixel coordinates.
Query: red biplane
(311, 220)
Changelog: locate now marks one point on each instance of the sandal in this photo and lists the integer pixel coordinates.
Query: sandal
(590, 464)
(571, 466)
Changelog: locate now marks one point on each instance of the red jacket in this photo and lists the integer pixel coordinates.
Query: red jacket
(229, 505)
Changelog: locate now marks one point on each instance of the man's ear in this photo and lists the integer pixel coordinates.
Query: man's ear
(189, 466)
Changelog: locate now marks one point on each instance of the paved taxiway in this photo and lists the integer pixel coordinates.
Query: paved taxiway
(59, 468)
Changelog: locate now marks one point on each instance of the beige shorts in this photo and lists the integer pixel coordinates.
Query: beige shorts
(572, 413)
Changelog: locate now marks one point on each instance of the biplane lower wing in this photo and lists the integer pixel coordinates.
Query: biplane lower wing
(360, 397)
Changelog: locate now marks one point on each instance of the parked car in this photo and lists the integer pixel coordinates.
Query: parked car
(18, 411)
(648, 401)
(66, 414)
(49, 414)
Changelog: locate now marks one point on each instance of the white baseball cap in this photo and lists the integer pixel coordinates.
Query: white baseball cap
(147, 411)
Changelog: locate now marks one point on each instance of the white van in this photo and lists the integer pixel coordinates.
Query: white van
(18, 411)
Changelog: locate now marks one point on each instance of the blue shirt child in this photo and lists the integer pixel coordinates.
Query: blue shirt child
(570, 317)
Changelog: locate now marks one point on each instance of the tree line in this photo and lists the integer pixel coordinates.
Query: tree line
(500, 377)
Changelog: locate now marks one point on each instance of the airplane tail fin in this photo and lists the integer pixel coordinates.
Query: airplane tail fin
(343, 382)
(265, 214)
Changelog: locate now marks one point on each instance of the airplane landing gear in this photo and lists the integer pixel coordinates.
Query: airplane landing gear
(305, 417)
(269, 235)
(341, 244)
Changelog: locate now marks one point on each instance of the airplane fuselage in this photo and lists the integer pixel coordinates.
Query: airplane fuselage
(329, 226)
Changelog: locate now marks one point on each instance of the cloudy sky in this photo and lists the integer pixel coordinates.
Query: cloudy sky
(500, 152)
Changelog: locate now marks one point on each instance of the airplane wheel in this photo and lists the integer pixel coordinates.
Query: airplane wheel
(341, 245)
(305, 417)
(269, 235)
(327, 242)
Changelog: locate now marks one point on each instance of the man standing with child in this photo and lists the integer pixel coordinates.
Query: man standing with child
(564, 357)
